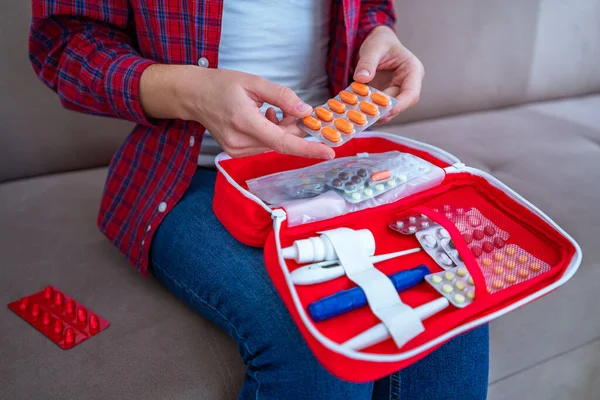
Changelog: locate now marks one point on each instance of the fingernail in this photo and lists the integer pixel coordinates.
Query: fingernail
(363, 72)
(328, 156)
(303, 107)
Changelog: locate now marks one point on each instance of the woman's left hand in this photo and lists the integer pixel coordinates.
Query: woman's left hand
(391, 67)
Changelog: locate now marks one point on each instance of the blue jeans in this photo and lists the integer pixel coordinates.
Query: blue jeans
(226, 282)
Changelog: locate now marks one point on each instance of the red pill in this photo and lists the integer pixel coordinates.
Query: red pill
(489, 230)
(94, 322)
(476, 250)
(59, 299)
(24, 304)
(58, 327)
(474, 221)
(48, 292)
(478, 234)
(69, 336)
(499, 242)
(46, 318)
(35, 310)
(468, 238)
(82, 316)
(488, 247)
(70, 307)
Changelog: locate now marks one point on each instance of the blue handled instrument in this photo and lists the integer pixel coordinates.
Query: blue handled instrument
(347, 300)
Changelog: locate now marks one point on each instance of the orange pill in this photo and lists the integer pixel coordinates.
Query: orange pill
(344, 126)
(368, 108)
(357, 117)
(381, 175)
(331, 134)
(349, 98)
(324, 114)
(336, 106)
(312, 123)
(381, 99)
(359, 88)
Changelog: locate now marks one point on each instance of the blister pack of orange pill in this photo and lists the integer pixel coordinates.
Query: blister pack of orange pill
(350, 112)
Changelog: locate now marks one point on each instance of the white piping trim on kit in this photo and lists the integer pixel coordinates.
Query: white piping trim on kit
(225, 156)
(279, 217)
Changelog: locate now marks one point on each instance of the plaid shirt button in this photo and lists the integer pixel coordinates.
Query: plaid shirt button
(203, 62)
(192, 141)
(162, 207)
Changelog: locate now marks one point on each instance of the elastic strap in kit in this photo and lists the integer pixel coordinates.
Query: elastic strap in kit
(402, 321)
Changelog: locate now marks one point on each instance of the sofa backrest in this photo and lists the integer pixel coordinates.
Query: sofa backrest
(478, 54)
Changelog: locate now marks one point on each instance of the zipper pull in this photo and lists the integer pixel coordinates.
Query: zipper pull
(455, 167)
(278, 214)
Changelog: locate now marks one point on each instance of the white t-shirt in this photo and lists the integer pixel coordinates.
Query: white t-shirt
(283, 41)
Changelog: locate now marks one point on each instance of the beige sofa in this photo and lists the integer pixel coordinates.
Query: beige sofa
(511, 87)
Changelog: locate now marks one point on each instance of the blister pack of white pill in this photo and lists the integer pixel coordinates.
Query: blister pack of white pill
(350, 112)
(436, 241)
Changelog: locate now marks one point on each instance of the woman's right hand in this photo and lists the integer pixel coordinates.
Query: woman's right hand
(227, 103)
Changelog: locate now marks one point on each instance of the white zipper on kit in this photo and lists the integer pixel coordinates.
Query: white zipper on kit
(279, 216)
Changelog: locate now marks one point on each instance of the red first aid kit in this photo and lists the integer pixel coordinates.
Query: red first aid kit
(484, 251)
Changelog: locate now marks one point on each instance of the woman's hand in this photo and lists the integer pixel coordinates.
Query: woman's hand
(388, 65)
(227, 103)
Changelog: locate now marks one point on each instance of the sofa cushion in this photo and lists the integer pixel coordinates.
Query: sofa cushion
(155, 348)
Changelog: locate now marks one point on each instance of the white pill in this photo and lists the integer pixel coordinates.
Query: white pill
(428, 241)
(412, 220)
(400, 224)
(444, 259)
(443, 233)
(462, 271)
(424, 224)
(436, 279)
(412, 229)
(447, 288)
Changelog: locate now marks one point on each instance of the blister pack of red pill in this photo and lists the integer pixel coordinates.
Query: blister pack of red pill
(59, 317)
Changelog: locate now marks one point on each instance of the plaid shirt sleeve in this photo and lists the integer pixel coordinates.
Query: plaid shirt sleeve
(373, 13)
(81, 50)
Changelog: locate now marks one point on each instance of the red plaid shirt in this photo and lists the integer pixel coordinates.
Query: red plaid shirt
(93, 52)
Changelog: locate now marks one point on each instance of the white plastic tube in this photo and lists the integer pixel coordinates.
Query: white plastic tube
(379, 332)
(327, 270)
(319, 248)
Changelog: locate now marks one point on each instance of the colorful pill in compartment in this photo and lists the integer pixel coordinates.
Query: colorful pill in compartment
(455, 284)
(510, 265)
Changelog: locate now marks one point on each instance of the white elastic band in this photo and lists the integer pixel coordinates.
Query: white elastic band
(402, 321)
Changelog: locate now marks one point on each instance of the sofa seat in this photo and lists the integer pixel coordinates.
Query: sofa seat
(157, 348)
